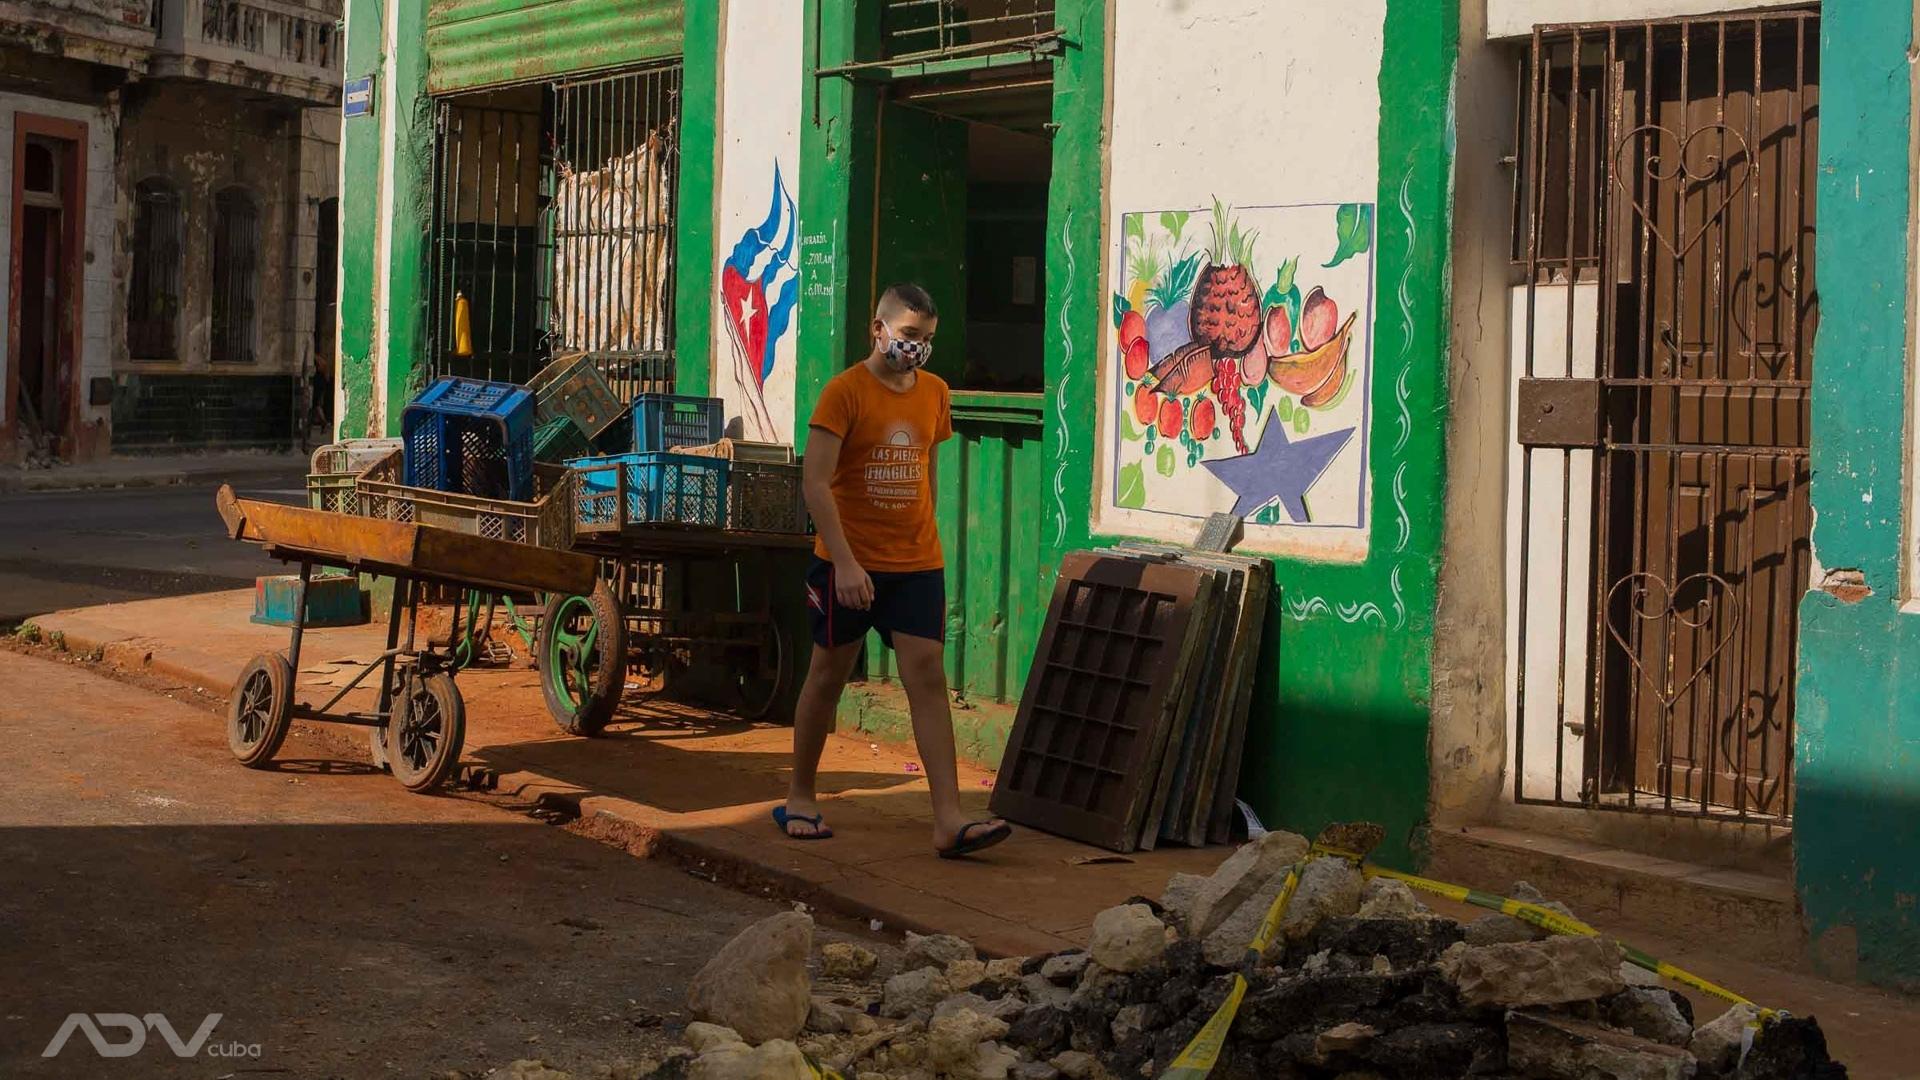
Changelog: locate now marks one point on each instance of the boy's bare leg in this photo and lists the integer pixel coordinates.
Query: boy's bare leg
(827, 675)
(923, 671)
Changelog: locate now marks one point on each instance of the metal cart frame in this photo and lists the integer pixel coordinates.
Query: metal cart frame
(419, 723)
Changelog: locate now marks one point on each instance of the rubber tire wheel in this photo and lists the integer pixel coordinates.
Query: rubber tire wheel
(423, 768)
(584, 713)
(259, 711)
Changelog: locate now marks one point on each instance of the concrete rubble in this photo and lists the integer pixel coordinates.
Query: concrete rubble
(1364, 982)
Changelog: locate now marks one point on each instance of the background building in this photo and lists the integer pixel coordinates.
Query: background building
(170, 168)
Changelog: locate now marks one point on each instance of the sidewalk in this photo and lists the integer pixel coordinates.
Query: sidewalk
(701, 784)
(159, 470)
(702, 787)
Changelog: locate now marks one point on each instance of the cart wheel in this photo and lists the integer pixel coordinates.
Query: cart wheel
(260, 710)
(426, 732)
(583, 659)
(760, 676)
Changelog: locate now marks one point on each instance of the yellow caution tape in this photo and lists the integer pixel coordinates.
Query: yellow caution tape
(1200, 1055)
(1551, 920)
(823, 1072)
(1203, 1052)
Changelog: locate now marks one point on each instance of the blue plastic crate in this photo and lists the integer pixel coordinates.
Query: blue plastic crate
(674, 489)
(664, 421)
(472, 438)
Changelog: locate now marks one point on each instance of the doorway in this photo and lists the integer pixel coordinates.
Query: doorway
(1665, 219)
(961, 181)
(49, 199)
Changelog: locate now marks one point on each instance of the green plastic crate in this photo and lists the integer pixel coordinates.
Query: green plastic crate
(560, 439)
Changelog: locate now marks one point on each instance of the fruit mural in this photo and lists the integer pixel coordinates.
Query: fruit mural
(1242, 356)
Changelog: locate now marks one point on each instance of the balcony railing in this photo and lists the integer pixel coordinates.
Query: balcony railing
(281, 47)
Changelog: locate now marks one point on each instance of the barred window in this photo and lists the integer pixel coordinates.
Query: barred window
(153, 295)
(236, 276)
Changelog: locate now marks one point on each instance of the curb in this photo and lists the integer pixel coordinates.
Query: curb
(25, 483)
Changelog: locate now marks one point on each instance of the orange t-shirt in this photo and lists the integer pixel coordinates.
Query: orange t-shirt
(882, 484)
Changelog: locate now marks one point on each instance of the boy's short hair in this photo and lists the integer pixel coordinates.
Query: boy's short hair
(905, 294)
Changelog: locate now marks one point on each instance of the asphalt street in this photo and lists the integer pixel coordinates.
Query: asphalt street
(75, 548)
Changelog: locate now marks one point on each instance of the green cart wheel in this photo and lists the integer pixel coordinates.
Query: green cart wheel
(583, 659)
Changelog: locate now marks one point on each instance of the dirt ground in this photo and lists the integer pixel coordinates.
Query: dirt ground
(340, 925)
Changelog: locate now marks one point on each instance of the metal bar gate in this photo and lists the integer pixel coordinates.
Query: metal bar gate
(1658, 515)
(553, 228)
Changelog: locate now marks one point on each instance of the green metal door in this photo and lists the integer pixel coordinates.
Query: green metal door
(990, 477)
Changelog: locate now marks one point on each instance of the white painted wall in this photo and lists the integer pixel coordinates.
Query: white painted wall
(1554, 536)
(1257, 104)
(1517, 18)
(761, 77)
(99, 296)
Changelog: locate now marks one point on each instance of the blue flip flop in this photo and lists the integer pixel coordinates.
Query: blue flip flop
(968, 841)
(781, 817)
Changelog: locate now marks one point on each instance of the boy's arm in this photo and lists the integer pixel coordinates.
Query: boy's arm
(852, 586)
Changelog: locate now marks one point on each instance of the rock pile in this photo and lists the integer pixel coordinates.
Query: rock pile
(1362, 983)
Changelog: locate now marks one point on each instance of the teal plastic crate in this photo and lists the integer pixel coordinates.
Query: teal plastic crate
(331, 600)
(649, 489)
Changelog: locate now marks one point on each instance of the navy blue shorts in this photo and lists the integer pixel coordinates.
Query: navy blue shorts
(912, 603)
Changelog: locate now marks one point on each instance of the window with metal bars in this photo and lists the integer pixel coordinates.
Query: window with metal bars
(554, 227)
(153, 291)
(236, 277)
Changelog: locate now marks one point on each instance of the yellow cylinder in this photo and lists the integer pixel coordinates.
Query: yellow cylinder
(462, 326)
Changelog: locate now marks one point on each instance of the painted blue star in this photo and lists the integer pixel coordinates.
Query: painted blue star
(1279, 468)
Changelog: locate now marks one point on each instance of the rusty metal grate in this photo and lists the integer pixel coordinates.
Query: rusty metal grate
(1086, 745)
(1664, 218)
(913, 30)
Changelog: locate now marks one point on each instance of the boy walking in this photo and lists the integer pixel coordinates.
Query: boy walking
(877, 560)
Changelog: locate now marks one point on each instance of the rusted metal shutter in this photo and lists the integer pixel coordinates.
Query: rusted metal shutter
(479, 43)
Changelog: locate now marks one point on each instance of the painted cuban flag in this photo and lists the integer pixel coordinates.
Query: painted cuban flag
(759, 286)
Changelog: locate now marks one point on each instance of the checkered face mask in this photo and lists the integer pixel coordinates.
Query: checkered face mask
(904, 355)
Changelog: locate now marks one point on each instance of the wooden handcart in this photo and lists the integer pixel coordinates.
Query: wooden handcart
(419, 723)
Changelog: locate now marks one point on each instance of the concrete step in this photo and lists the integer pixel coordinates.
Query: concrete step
(1743, 914)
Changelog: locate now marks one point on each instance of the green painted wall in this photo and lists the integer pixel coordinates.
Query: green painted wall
(836, 199)
(359, 217)
(1857, 739)
(400, 90)
(699, 146)
(406, 271)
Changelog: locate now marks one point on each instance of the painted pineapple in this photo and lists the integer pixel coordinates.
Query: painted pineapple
(1226, 316)
(1226, 301)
